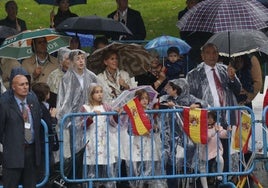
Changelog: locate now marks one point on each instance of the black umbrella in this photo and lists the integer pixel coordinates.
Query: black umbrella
(93, 25)
(54, 2)
(7, 31)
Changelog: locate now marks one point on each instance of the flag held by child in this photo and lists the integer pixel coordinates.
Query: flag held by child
(195, 124)
(242, 134)
(140, 122)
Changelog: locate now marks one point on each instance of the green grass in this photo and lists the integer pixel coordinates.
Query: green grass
(160, 16)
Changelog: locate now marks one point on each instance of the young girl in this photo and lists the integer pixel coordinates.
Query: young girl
(146, 149)
(100, 134)
(213, 150)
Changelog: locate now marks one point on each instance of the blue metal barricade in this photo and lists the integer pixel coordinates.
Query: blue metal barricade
(46, 157)
(173, 156)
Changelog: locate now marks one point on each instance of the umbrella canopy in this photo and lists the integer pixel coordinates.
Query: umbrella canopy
(225, 15)
(54, 2)
(93, 25)
(133, 58)
(85, 40)
(241, 42)
(7, 31)
(127, 95)
(161, 45)
(19, 46)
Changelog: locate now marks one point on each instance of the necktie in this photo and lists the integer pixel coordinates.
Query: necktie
(218, 87)
(27, 130)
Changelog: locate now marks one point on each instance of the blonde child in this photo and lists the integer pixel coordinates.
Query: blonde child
(213, 149)
(145, 149)
(100, 134)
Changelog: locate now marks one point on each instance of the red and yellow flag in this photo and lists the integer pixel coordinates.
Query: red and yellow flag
(141, 124)
(242, 135)
(195, 124)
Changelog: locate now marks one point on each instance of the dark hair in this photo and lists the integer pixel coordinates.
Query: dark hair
(213, 114)
(140, 92)
(9, 3)
(41, 90)
(100, 40)
(174, 86)
(173, 49)
(108, 53)
(58, 1)
(33, 43)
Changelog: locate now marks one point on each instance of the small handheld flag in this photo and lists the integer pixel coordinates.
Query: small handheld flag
(195, 124)
(140, 122)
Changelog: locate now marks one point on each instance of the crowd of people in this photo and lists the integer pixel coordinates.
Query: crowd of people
(47, 87)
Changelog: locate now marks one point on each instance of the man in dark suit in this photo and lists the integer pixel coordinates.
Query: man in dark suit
(131, 18)
(12, 20)
(20, 118)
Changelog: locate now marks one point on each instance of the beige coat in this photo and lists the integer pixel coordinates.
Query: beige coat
(6, 66)
(30, 64)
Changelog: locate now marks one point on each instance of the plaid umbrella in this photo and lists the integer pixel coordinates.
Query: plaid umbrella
(241, 42)
(225, 15)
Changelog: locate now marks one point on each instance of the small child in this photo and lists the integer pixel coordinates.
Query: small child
(106, 137)
(173, 66)
(145, 149)
(213, 150)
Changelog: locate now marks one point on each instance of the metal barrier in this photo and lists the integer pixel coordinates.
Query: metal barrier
(46, 175)
(168, 163)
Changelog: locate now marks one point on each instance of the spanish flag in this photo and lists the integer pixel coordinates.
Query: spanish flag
(140, 122)
(195, 124)
(243, 133)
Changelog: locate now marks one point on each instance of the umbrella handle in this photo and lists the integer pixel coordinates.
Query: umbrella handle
(52, 14)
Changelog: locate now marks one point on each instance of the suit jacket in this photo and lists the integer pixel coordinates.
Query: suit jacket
(134, 23)
(12, 129)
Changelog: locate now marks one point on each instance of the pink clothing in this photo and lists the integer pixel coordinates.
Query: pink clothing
(213, 143)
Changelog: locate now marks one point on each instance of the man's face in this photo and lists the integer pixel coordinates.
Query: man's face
(12, 10)
(20, 86)
(40, 45)
(79, 62)
(122, 4)
(210, 56)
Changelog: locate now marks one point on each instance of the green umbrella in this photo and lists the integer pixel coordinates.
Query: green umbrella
(19, 46)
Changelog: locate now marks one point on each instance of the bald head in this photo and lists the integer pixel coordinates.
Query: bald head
(20, 86)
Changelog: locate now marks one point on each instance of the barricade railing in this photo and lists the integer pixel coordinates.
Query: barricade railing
(173, 157)
(46, 157)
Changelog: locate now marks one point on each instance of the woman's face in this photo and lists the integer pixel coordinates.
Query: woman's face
(64, 5)
(112, 62)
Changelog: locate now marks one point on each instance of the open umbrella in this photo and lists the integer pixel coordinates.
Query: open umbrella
(127, 95)
(7, 31)
(93, 25)
(216, 16)
(54, 2)
(241, 42)
(225, 15)
(133, 58)
(86, 40)
(161, 45)
(19, 46)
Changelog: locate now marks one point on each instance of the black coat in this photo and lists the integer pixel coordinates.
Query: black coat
(134, 23)
(12, 129)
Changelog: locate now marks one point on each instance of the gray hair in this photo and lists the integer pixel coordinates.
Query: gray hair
(63, 54)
